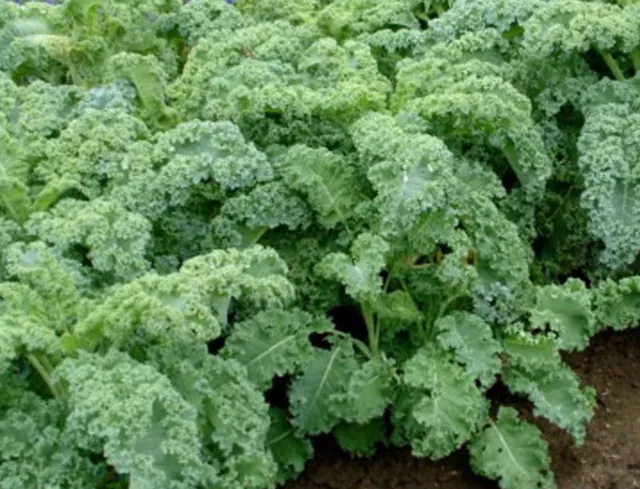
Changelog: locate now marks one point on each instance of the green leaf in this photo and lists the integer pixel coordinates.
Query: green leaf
(273, 343)
(360, 439)
(367, 394)
(132, 413)
(608, 154)
(566, 309)
(617, 303)
(328, 181)
(398, 306)
(15, 198)
(360, 275)
(412, 174)
(147, 75)
(512, 452)
(532, 351)
(556, 395)
(290, 451)
(36, 447)
(312, 394)
(472, 342)
(439, 407)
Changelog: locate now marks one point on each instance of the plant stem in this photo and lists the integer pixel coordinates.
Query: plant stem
(369, 320)
(361, 346)
(635, 59)
(612, 64)
(44, 373)
(447, 303)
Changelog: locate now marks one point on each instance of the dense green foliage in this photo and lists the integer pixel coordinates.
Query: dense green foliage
(228, 227)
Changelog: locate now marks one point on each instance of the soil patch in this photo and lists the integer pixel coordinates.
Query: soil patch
(609, 459)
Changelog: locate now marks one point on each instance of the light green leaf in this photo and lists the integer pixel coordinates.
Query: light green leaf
(439, 407)
(617, 303)
(511, 451)
(328, 181)
(361, 274)
(472, 342)
(273, 343)
(367, 394)
(556, 395)
(566, 309)
(312, 394)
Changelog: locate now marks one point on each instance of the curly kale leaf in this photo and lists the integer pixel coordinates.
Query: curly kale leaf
(280, 88)
(360, 275)
(575, 26)
(329, 182)
(513, 452)
(193, 158)
(463, 92)
(556, 395)
(616, 304)
(132, 413)
(439, 407)
(115, 240)
(187, 306)
(360, 439)
(472, 342)
(196, 20)
(273, 343)
(290, 451)
(37, 305)
(608, 152)
(244, 218)
(427, 197)
(467, 16)
(37, 449)
(233, 417)
(566, 309)
(411, 174)
(90, 148)
(335, 387)
(344, 19)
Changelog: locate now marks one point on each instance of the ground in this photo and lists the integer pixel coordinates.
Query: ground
(609, 459)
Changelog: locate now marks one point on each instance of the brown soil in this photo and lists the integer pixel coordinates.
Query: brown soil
(609, 459)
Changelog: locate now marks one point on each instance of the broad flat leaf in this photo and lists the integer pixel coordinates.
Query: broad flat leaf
(439, 406)
(290, 451)
(512, 451)
(472, 342)
(312, 394)
(360, 439)
(556, 395)
(273, 343)
(368, 393)
(566, 309)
